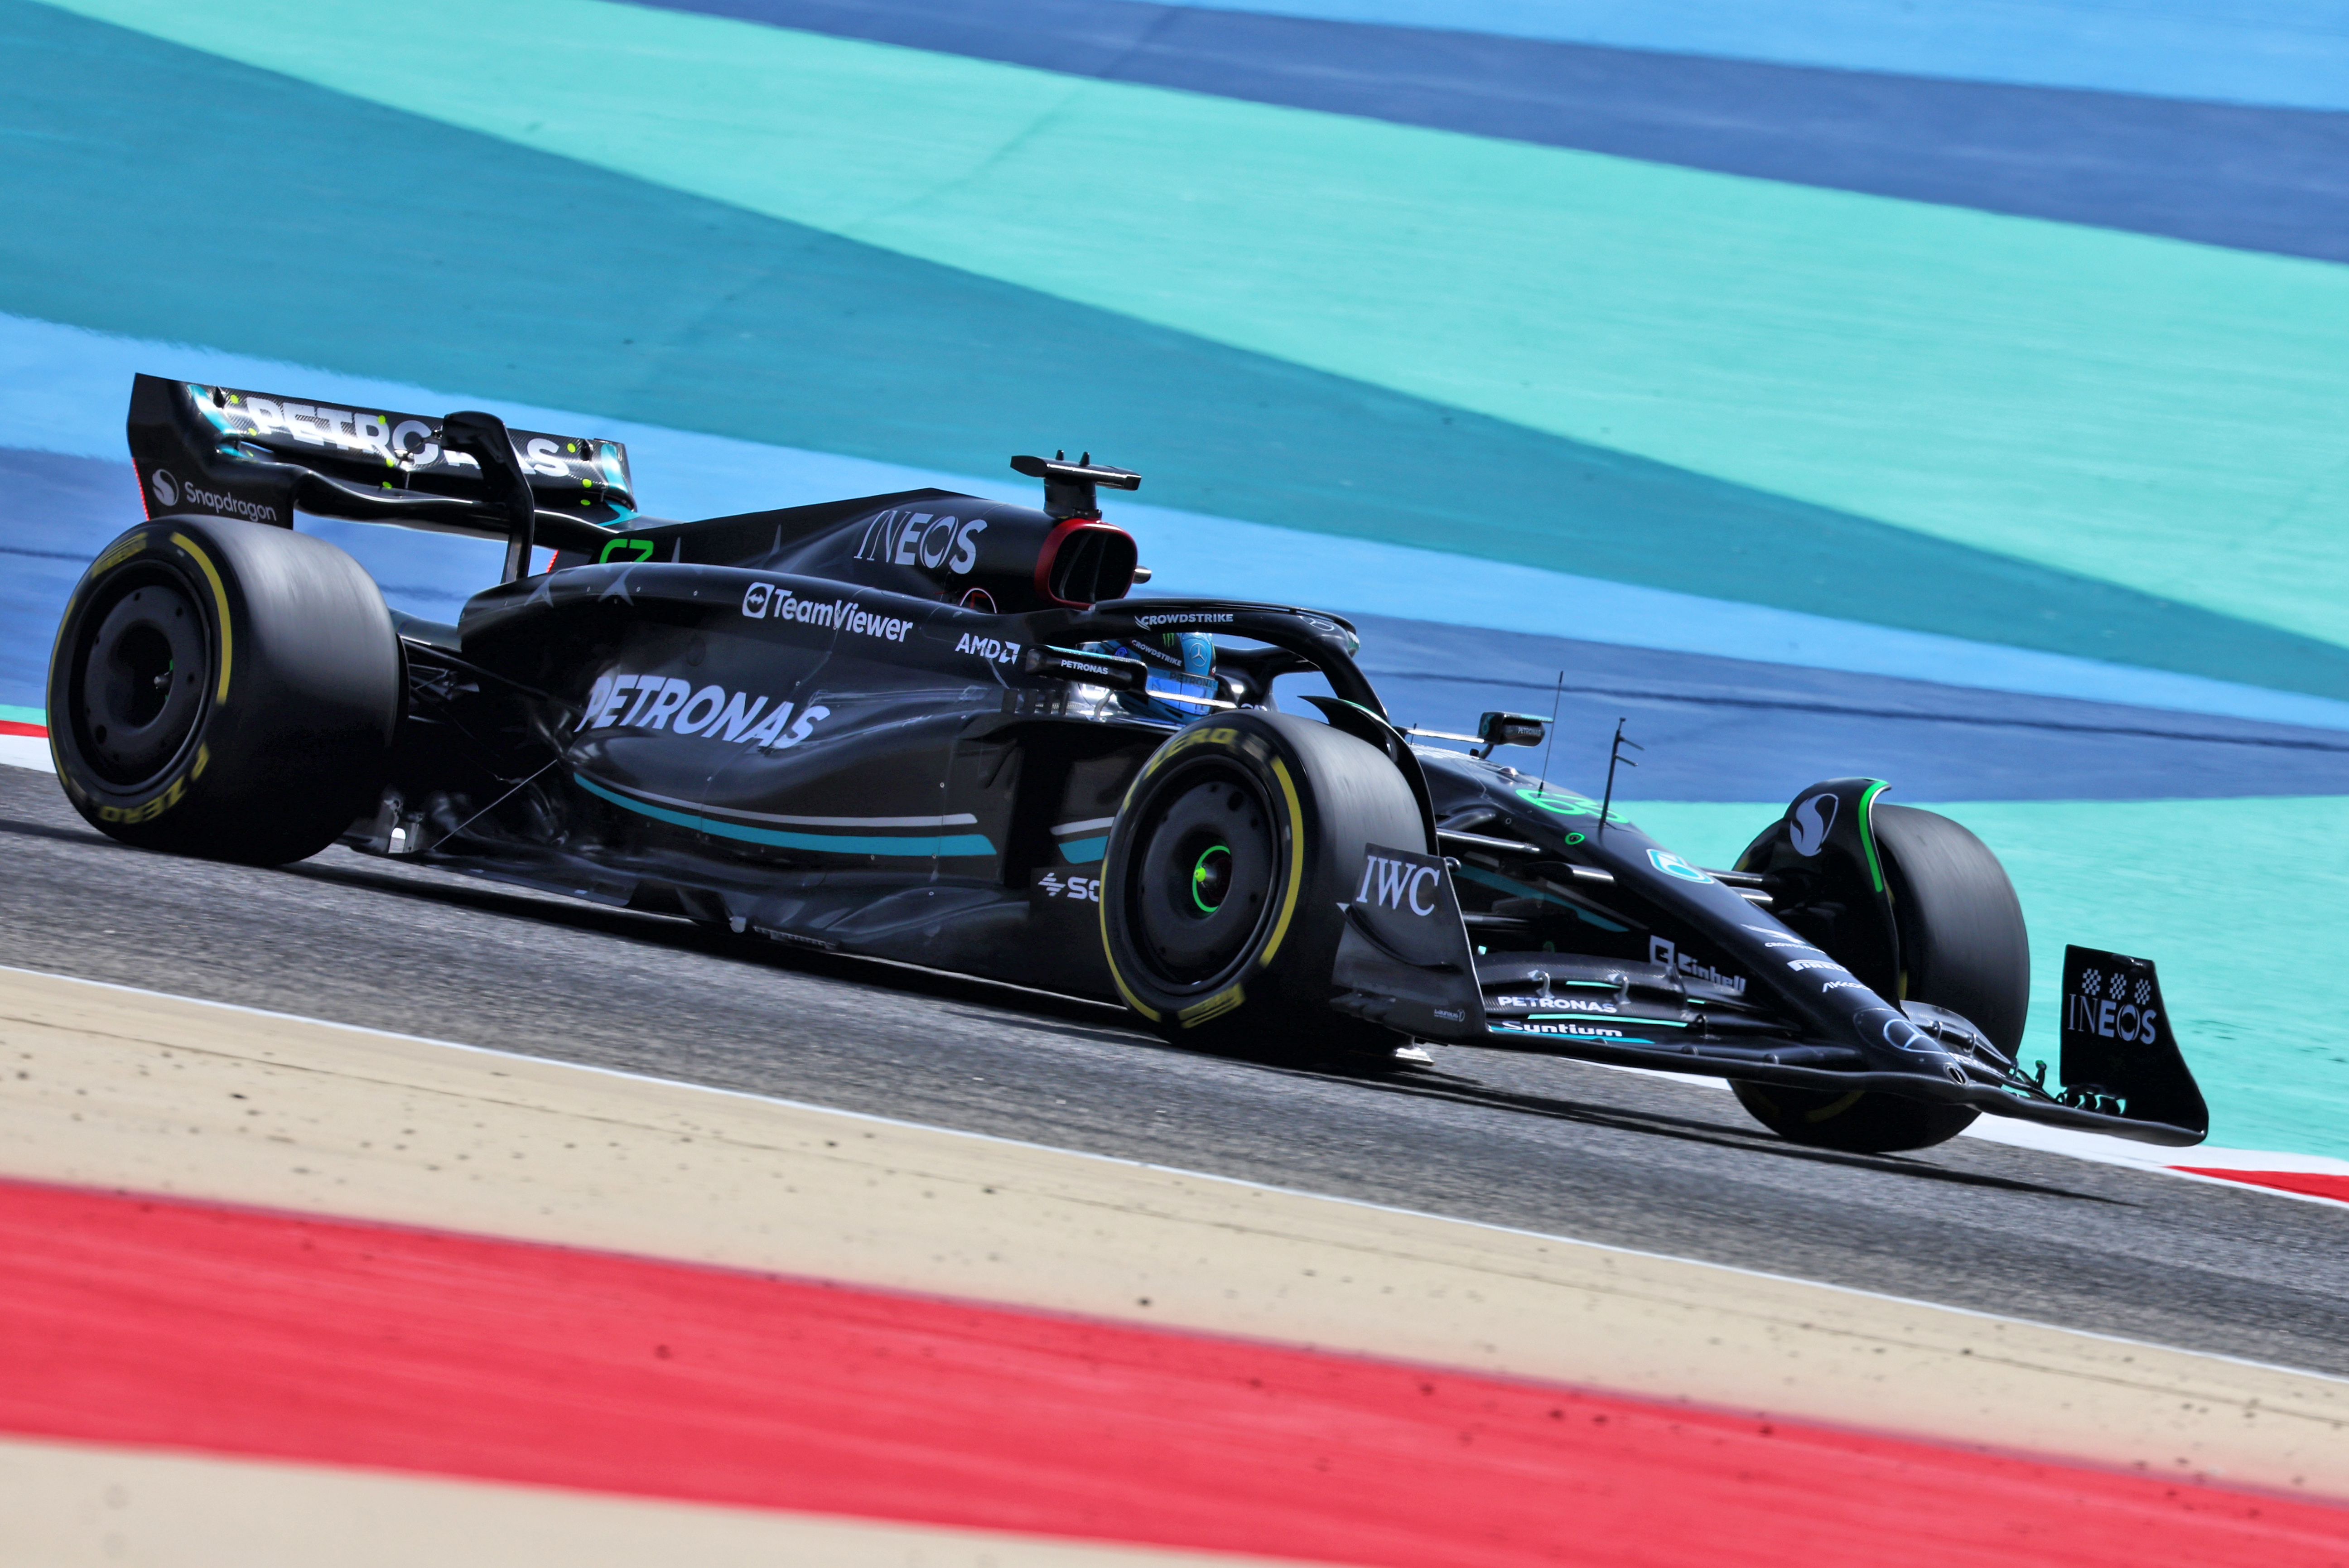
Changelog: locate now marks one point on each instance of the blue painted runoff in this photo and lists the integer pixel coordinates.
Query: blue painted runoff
(2285, 52)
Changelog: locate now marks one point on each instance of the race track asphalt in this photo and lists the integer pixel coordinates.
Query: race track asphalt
(1553, 1146)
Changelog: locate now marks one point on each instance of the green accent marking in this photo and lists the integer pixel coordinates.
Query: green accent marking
(642, 550)
(946, 846)
(1564, 802)
(1867, 831)
(1199, 874)
(1586, 1017)
(1084, 851)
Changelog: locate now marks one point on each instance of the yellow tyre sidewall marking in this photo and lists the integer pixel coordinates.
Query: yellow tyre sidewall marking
(1834, 1108)
(219, 597)
(1296, 862)
(1216, 1006)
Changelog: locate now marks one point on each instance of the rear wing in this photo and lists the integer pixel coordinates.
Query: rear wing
(234, 452)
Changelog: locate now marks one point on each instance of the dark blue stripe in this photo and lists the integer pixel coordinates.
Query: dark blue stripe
(1731, 728)
(2255, 179)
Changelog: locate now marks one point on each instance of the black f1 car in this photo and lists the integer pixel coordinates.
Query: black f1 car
(934, 728)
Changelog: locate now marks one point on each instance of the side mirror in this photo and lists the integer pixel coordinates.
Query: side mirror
(1509, 730)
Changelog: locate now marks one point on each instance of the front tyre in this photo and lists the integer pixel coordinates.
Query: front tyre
(1221, 887)
(223, 689)
(1963, 946)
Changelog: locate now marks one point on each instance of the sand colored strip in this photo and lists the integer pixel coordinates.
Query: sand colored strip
(120, 1089)
(64, 1505)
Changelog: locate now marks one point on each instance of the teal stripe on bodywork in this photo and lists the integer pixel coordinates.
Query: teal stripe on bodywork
(1084, 851)
(557, 284)
(946, 846)
(15, 715)
(1593, 1038)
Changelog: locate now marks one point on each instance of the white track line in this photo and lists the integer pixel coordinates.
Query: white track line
(26, 751)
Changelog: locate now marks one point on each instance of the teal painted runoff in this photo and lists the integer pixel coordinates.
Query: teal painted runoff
(2162, 415)
(560, 285)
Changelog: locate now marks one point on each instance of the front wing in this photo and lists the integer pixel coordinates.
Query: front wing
(1405, 960)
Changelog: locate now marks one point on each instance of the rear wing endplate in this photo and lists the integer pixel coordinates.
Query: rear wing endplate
(234, 452)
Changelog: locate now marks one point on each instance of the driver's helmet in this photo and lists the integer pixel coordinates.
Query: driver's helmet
(1192, 652)
(1187, 660)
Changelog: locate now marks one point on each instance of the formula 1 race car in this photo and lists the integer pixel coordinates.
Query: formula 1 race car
(933, 728)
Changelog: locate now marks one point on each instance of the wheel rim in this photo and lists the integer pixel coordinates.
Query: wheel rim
(1200, 882)
(142, 670)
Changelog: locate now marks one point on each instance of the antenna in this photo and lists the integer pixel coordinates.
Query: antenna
(1615, 755)
(1555, 697)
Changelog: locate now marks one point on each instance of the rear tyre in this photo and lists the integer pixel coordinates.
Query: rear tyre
(223, 689)
(1963, 946)
(1225, 871)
